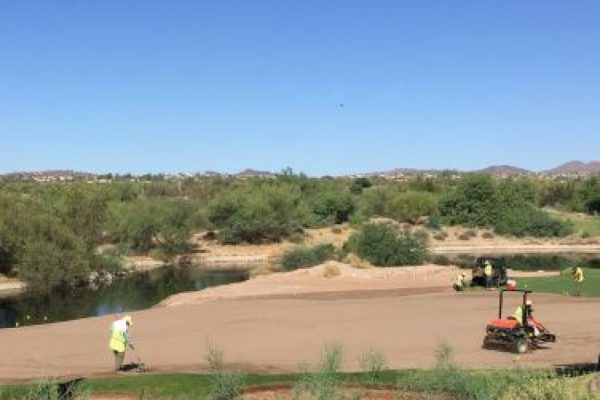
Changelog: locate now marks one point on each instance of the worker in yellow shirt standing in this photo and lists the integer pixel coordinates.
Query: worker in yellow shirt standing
(488, 273)
(577, 273)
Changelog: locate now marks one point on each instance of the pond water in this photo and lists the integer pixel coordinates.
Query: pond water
(135, 292)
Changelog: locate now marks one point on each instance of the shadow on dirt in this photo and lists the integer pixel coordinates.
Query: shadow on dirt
(576, 369)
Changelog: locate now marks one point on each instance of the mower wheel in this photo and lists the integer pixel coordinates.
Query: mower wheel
(520, 346)
(486, 343)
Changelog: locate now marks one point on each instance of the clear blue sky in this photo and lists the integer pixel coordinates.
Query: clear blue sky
(166, 86)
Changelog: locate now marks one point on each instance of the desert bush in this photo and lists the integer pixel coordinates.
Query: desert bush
(222, 385)
(508, 207)
(441, 235)
(421, 234)
(526, 220)
(385, 245)
(359, 184)
(408, 206)
(332, 207)
(145, 224)
(330, 270)
(464, 236)
(434, 222)
(473, 203)
(373, 364)
(322, 384)
(439, 259)
(266, 214)
(304, 257)
(487, 235)
(356, 262)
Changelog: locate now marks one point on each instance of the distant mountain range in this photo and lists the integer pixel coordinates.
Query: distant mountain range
(569, 169)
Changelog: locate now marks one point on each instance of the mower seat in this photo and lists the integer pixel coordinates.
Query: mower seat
(504, 323)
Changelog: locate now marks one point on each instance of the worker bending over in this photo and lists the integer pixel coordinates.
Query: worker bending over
(460, 282)
(120, 339)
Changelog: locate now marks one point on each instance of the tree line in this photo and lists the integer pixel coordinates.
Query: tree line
(50, 232)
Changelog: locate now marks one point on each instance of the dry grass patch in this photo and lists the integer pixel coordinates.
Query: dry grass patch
(356, 262)
(330, 269)
(262, 270)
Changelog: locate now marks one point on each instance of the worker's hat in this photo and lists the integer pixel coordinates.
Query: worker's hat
(128, 319)
(529, 303)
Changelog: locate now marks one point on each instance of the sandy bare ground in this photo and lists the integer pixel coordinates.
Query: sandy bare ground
(347, 279)
(314, 280)
(283, 331)
(212, 253)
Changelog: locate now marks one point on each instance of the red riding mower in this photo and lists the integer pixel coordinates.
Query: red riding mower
(509, 334)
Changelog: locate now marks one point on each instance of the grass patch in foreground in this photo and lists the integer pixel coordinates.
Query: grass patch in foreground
(458, 383)
(563, 284)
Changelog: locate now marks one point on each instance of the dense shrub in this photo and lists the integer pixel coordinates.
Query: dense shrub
(508, 207)
(359, 185)
(385, 245)
(37, 245)
(400, 205)
(145, 224)
(527, 220)
(332, 207)
(473, 203)
(304, 257)
(408, 206)
(254, 216)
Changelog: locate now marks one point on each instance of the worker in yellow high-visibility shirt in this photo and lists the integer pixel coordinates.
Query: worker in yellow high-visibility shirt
(120, 340)
(577, 273)
(488, 273)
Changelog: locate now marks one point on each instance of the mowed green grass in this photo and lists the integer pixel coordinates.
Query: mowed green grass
(564, 284)
(583, 223)
(186, 386)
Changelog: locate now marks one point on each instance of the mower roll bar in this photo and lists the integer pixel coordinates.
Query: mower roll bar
(524, 291)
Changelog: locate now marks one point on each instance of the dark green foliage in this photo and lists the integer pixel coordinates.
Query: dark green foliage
(508, 207)
(143, 224)
(304, 257)
(434, 222)
(84, 211)
(359, 184)
(408, 206)
(384, 245)
(399, 205)
(333, 207)
(256, 216)
(555, 193)
(473, 203)
(589, 195)
(526, 220)
(38, 246)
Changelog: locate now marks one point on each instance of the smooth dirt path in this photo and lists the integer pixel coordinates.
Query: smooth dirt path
(282, 333)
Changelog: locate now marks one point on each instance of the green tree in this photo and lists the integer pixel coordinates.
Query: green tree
(256, 215)
(333, 207)
(385, 245)
(473, 203)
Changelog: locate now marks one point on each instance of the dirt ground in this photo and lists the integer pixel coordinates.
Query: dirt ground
(480, 242)
(403, 314)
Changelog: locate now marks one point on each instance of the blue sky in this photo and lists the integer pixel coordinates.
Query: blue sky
(166, 86)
